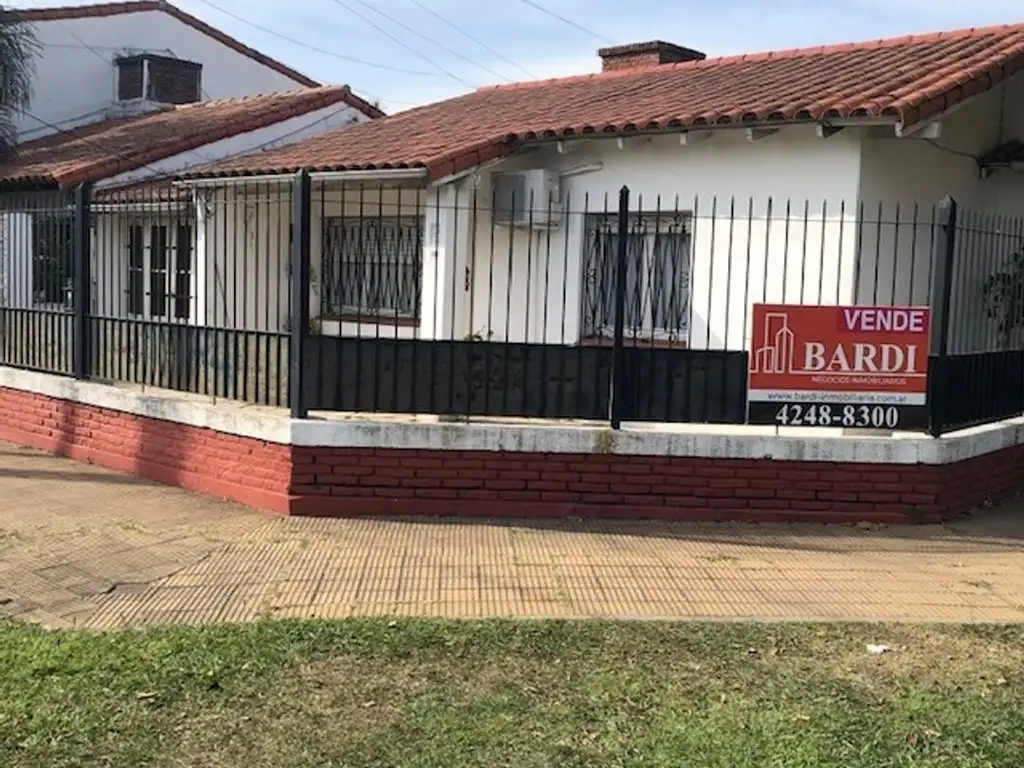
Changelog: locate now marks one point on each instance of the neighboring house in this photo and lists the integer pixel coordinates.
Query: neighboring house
(714, 152)
(145, 234)
(114, 59)
(127, 95)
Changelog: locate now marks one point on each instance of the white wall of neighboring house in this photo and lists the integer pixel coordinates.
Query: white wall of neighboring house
(76, 79)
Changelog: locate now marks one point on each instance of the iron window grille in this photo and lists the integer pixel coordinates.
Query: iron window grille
(372, 266)
(658, 267)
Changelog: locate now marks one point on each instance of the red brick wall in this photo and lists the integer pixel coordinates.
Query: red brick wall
(359, 481)
(384, 481)
(250, 471)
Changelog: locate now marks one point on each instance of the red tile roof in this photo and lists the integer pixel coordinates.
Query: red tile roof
(110, 147)
(907, 80)
(141, 6)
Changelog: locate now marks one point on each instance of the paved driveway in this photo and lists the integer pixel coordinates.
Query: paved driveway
(81, 546)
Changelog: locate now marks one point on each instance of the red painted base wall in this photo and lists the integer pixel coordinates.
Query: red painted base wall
(250, 471)
(359, 481)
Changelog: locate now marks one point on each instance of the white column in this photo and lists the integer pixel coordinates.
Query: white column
(444, 299)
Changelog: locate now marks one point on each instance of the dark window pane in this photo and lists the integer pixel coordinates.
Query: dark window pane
(136, 270)
(182, 272)
(173, 81)
(52, 258)
(158, 272)
(130, 78)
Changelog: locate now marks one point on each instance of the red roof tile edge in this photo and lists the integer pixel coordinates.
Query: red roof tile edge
(112, 166)
(906, 112)
(789, 53)
(58, 13)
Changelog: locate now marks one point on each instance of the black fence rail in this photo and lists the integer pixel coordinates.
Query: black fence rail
(980, 371)
(487, 299)
(37, 281)
(486, 302)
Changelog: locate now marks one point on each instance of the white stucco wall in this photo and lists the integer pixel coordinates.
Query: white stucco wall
(901, 180)
(76, 80)
(243, 242)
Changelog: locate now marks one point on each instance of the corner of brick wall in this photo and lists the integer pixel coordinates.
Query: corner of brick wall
(252, 472)
(358, 481)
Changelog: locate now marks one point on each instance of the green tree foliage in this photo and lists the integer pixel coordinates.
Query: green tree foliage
(18, 49)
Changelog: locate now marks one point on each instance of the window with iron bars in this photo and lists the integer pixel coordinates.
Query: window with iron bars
(372, 266)
(658, 262)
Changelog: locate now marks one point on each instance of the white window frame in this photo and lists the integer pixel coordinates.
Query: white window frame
(171, 309)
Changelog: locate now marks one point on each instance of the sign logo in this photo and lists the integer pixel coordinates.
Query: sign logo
(838, 356)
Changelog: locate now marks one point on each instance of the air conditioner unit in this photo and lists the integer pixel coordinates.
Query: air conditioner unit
(527, 198)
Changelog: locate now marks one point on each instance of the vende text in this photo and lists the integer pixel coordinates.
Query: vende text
(882, 320)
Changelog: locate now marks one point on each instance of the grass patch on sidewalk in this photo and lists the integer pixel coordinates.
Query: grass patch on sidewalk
(414, 694)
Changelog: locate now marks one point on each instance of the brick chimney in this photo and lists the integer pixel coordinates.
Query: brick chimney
(649, 54)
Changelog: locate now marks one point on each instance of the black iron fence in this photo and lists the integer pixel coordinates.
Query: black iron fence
(487, 298)
(978, 375)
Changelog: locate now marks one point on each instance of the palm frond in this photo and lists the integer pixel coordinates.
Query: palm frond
(18, 50)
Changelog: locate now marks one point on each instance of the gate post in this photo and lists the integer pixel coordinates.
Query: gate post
(81, 282)
(300, 247)
(941, 290)
(617, 400)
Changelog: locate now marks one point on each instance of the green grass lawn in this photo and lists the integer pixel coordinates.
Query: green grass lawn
(446, 694)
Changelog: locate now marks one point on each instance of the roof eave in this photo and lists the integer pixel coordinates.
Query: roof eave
(228, 178)
(866, 121)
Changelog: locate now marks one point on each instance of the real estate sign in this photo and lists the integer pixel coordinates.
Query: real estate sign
(858, 367)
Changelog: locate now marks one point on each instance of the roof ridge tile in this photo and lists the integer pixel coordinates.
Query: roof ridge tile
(787, 53)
